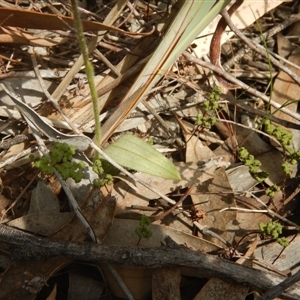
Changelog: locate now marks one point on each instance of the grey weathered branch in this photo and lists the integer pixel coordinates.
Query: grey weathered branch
(28, 246)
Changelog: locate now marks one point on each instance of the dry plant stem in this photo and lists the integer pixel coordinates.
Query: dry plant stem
(245, 210)
(276, 29)
(277, 290)
(258, 48)
(257, 112)
(267, 210)
(244, 86)
(49, 97)
(133, 11)
(18, 198)
(14, 158)
(205, 231)
(31, 74)
(250, 128)
(158, 118)
(274, 214)
(107, 62)
(250, 109)
(29, 246)
(293, 195)
(164, 214)
(215, 46)
(126, 75)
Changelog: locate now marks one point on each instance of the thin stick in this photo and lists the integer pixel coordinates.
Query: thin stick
(258, 48)
(241, 84)
(167, 212)
(273, 31)
(49, 97)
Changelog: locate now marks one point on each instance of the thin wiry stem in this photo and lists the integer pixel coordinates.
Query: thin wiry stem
(89, 71)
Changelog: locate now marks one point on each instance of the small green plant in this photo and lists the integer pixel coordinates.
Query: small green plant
(270, 191)
(273, 230)
(61, 159)
(150, 141)
(104, 177)
(285, 138)
(208, 118)
(253, 165)
(143, 230)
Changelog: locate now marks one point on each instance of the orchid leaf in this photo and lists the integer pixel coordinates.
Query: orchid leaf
(131, 152)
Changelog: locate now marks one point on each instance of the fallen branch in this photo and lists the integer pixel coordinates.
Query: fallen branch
(28, 246)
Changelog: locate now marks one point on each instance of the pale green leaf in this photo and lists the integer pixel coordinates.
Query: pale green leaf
(134, 153)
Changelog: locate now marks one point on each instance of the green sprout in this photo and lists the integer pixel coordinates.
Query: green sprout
(208, 118)
(285, 138)
(270, 191)
(283, 242)
(150, 141)
(61, 159)
(253, 165)
(142, 230)
(103, 177)
(274, 230)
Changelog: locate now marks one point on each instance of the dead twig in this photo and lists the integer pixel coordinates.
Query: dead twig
(273, 31)
(258, 48)
(244, 86)
(28, 246)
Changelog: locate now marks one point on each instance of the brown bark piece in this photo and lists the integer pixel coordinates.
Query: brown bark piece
(202, 265)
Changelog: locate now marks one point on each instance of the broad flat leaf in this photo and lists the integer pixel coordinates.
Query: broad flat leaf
(132, 152)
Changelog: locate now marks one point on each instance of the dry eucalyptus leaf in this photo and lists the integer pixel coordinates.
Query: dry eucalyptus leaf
(43, 223)
(212, 196)
(196, 151)
(288, 261)
(43, 199)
